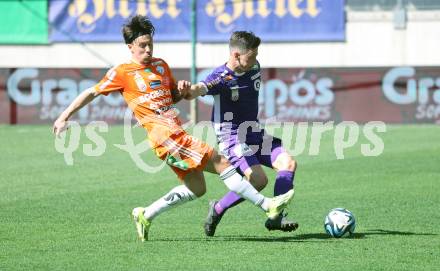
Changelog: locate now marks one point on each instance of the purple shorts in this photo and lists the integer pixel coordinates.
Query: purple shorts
(256, 150)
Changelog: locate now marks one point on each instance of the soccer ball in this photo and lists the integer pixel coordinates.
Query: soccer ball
(339, 222)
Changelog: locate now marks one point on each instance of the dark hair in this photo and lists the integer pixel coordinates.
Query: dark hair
(244, 40)
(135, 27)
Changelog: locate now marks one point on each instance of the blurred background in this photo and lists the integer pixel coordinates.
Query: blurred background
(322, 60)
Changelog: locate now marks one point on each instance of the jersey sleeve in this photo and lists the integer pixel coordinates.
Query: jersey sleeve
(112, 81)
(213, 83)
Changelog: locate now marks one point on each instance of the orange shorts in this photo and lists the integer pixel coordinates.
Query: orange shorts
(184, 153)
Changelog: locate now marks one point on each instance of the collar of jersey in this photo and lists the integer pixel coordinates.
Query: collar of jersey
(234, 73)
(140, 65)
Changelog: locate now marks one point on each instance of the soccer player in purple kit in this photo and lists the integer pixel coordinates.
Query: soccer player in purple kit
(235, 87)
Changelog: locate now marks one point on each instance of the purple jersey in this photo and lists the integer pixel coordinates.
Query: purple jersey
(235, 98)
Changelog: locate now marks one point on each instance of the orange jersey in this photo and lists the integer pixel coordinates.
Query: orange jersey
(147, 91)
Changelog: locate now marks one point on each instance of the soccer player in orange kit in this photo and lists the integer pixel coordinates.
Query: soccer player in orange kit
(150, 91)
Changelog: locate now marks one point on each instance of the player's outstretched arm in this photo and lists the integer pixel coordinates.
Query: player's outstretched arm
(195, 91)
(83, 99)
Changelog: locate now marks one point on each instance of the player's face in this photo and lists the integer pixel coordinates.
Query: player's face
(248, 59)
(142, 49)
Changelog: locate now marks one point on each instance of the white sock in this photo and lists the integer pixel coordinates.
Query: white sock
(238, 184)
(177, 196)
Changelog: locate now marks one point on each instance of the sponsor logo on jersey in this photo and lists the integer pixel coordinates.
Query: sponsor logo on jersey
(163, 110)
(140, 82)
(160, 69)
(155, 84)
(255, 76)
(234, 93)
(153, 95)
(257, 84)
(213, 83)
(230, 80)
(157, 63)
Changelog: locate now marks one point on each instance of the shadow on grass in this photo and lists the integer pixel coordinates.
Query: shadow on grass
(236, 238)
(250, 238)
(308, 237)
(388, 232)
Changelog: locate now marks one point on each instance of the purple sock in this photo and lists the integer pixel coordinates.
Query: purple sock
(229, 200)
(283, 182)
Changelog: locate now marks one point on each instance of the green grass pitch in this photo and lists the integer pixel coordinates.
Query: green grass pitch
(54, 216)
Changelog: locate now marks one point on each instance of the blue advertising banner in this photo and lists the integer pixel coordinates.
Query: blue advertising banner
(280, 20)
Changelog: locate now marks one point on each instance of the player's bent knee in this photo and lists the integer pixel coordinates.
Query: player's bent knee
(261, 183)
(257, 179)
(287, 163)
